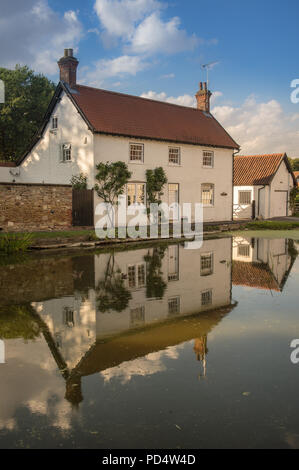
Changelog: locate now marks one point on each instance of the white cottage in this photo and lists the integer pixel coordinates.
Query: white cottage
(264, 181)
(84, 126)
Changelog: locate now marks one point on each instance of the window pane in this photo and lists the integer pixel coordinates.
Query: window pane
(206, 264)
(140, 193)
(132, 276)
(208, 158)
(207, 194)
(245, 197)
(54, 123)
(141, 275)
(206, 298)
(131, 194)
(137, 316)
(174, 155)
(174, 306)
(244, 250)
(66, 152)
(136, 152)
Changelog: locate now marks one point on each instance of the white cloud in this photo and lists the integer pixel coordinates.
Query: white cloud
(139, 25)
(183, 100)
(119, 17)
(260, 127)
(119, 67)
(35, 35)
(154, 35)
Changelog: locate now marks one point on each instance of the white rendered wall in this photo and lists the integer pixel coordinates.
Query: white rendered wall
(190, 175)
(43, 163)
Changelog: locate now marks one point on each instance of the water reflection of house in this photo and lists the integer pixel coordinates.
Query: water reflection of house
(261, 263)
(104, 322)
(166, 282)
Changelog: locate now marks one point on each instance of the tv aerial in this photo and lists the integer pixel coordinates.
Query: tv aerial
(207, 68)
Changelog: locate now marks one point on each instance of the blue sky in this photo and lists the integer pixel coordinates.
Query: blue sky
(155, 48)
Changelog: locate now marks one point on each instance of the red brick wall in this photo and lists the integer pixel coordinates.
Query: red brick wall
(35, 207)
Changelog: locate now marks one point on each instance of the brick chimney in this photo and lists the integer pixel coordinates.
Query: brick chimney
(203, 97)
(68, 68)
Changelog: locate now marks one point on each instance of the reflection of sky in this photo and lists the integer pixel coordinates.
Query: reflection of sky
(148, 365)
(31, 380)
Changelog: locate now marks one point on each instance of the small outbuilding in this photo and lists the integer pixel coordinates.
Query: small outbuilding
(262, 186)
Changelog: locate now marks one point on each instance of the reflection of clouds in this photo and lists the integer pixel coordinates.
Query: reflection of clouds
(145, 366)
(32, 381)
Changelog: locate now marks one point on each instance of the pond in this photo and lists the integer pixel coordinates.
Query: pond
(154, 347)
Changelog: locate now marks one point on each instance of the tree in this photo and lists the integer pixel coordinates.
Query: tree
(79, 182)
(155, 284)
(27, 97)
(112, 294)
(155, 181)
(112, 178)
(294, 162)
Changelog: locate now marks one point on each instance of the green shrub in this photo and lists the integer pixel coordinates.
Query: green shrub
(15, 243)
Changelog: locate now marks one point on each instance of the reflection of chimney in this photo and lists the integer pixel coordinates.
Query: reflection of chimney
(74, 391)
(68, 65)
(203, 97)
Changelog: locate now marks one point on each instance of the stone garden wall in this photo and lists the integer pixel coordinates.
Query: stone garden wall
(35, 207)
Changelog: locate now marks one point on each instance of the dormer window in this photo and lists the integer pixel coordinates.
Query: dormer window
(208, 159)
(54, 123)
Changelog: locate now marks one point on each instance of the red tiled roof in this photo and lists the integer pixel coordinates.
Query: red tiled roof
(253, 170)
(131, 116)
(258, 276)
(296, 173)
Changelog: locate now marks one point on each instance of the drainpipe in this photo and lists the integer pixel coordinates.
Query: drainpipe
(260, 189)
(233, 194)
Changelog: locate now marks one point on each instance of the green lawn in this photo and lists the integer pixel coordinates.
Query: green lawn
(272, 225)
(71, 234)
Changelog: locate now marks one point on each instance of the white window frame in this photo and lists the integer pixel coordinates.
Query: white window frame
(66, 149)
(137, 283)
(206, 271)
(135, 184)
(137, 316)
(69, 317)
(207, 154)
(212, 187)
(178, 149)
(246, 247)
(245, 191)
(136, 144)
(209, 302)
(174, 305)
(54, 120)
